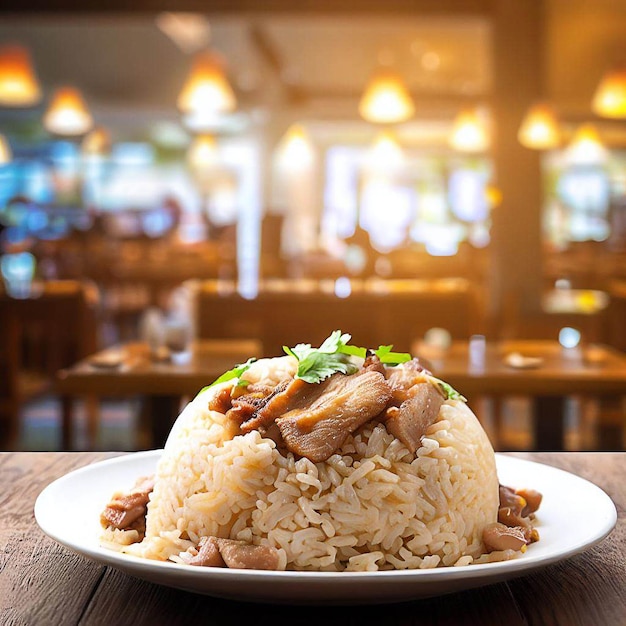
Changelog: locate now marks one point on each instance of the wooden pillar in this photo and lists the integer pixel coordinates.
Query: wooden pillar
(518, 50)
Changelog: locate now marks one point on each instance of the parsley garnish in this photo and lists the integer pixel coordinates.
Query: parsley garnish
(317, 364)
(236, 372)
(388, 357)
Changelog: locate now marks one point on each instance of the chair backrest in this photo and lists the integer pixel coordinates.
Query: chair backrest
(9, 368)
(397, 316)
(53, 328)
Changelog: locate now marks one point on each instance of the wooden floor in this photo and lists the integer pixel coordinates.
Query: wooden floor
(40, 426)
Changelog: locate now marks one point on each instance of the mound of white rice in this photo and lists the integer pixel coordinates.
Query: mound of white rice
(371, 506)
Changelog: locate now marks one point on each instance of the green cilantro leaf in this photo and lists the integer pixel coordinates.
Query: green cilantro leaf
(334, 342)
(317, 364)
(236, 372)
(388, 357)
(353, 351)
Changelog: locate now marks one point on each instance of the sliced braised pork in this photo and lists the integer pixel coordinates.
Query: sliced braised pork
(533, 500)
(497, 536)
(515, 520)
(411, 419)
(316, 418)
(517, 506)
(246, 407)
(373, 362)
(401, 379)
(221, 402)
(217, 552)
(242, 555)
(275, 405)
(128, 510)
(208, 554)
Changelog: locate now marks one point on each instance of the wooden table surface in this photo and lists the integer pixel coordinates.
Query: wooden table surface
(42, 582)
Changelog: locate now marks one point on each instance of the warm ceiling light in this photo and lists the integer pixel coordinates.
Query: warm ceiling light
(540, 128)
(5, 151)
(493, 196)
(67, 113)
(610, 97)
(19, 86)
(386, 100)
(202, 153)
(469, 133)
(207, 89)
(296, 151)
(385, 154)
(586, 147)
(97, 142)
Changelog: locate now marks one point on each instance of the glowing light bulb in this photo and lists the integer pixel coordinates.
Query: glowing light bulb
(493, 195)
(385, 154)
(386, 100)
(207, 89)
(97, 142)
(540, 129)
(202, 153)
(609, 99)
(469, 133)
(586, 148)
(296, 150)
(19, 86)
(67, 114)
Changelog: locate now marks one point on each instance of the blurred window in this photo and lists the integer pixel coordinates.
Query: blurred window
(385, 203)
(466, 194)
(433, 199)
(340, 197)
(582, 201)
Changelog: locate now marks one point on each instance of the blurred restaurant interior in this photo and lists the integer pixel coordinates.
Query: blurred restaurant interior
(182, 190)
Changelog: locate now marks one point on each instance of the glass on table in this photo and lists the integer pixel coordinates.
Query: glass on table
(177, 333)
(477, 352)
(151, 330)
(18, 270)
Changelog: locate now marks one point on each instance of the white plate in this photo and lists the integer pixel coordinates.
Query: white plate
(574, 515)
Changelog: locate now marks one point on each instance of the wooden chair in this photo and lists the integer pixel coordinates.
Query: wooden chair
(9, 391)
(398, 314)
(38, 336)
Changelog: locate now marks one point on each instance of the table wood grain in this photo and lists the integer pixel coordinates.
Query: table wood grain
(43, 583)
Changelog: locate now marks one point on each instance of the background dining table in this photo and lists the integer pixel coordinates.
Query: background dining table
(131, 369)
(42, 582)
(549, 376)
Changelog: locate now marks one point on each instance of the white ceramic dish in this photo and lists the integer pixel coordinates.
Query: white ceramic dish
(574, 515)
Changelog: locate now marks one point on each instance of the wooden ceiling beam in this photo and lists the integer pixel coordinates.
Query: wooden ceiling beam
(274, 62)
(334, 7)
